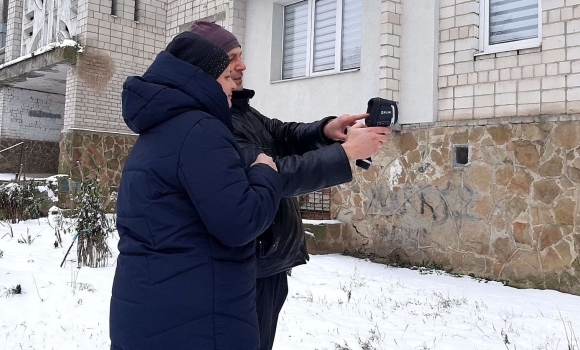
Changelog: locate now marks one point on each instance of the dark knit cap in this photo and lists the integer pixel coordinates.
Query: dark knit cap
(216, 34)
(194, 49)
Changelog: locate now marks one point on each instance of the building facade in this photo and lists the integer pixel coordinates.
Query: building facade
(482, 176)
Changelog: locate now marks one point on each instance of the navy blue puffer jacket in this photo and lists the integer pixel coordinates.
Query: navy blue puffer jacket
(188, 214)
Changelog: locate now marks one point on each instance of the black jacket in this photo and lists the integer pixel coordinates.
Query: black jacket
(307, 161)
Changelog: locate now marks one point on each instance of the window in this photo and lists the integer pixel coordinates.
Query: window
(510, 25)
(321, 36)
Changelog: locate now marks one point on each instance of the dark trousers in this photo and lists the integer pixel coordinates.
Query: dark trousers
(271, 293)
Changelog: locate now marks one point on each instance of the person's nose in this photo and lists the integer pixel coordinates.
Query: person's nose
(240, 66)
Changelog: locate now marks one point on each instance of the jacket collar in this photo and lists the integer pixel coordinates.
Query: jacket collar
(241, 100)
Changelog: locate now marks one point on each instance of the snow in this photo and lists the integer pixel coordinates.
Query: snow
(49, 180)
(320, 222)
(12, 176)
(334, 302)
(47, 48)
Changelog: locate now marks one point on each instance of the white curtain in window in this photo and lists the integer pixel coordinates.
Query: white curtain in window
(351, 33)
(511, 20)
(295, 40)
(324, 35)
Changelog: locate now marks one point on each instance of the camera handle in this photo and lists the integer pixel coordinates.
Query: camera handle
(364, 163)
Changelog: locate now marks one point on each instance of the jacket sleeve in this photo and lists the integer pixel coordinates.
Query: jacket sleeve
(311, 171)
(296, 138)
(235, 205)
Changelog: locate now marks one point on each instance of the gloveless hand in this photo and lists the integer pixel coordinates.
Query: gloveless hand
(335, 129)
(363, 142)
(262, 158)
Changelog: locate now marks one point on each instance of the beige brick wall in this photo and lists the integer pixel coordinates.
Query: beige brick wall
(390, 76)
(516, 83)
(115, 48)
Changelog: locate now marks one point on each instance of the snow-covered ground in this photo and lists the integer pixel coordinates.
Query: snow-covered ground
(335, 302)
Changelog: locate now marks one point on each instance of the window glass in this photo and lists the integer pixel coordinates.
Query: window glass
(324, 35)
(351, 33)
(512, 20)
(295, 40)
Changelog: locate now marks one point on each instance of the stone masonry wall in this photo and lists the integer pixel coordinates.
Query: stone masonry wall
(103, 154)
(512, 214)
(38, 157)
(31, 115)
(516, 83)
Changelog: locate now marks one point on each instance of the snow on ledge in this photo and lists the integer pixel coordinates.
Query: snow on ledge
(47, 48)
(320, 222)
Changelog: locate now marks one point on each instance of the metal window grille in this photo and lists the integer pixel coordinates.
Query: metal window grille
(316, 205)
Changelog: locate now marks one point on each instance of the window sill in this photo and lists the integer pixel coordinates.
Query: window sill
(502, 48)
(323, 74)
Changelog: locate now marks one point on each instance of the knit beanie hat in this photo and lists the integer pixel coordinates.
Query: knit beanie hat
(216, 34)
(194, 49)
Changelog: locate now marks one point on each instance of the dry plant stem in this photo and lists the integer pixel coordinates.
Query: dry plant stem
(37, 292)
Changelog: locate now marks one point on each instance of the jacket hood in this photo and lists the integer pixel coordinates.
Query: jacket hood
(171, 87)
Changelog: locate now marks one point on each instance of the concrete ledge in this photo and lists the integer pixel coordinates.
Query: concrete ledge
(12, 72)
(45, 71)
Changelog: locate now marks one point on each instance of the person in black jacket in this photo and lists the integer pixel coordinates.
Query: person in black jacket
(188, 210)
(308, 157)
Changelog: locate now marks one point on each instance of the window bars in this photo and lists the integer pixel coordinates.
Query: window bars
(316, 205)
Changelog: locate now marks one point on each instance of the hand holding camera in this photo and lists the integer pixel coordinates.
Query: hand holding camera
(336, 128)
(363, 142)
(382, 113)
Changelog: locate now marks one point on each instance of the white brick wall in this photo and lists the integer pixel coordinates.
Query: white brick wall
(31, 115)
(390, 77)
(508, 84)
(115, 48)
(13, 30)
(182, 12)
(118, 47)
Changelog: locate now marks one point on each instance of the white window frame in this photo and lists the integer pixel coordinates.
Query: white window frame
(310, 43)
(486, 48)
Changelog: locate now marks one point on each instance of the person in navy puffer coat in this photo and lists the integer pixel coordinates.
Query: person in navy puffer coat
(188, 210)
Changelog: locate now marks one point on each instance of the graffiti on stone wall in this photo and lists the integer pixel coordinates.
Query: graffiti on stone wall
(513, 213)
